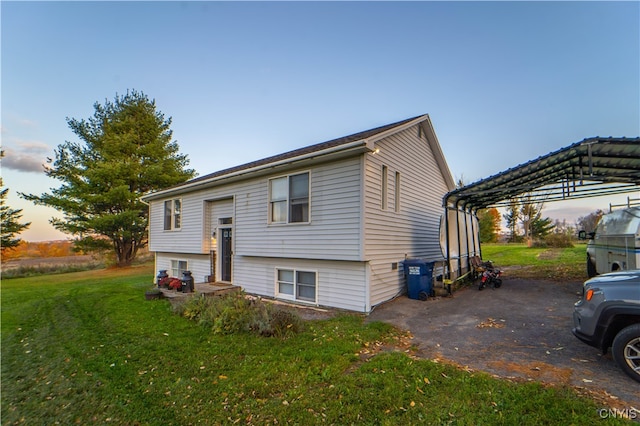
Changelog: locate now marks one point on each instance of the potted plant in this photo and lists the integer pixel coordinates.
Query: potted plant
(175, 284)
(164, 282)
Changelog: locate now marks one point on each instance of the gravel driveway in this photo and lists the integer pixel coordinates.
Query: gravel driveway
(521, 330)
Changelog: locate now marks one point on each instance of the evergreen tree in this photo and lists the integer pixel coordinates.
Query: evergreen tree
(542, 227)
(489, 223)
(126, 152)
(512, 217)
(532, 222)
(9, 220)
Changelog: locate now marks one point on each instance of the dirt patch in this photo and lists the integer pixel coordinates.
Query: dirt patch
(549, 254)
(540, 371)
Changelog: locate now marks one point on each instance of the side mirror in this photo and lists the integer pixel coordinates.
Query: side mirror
(584, 235)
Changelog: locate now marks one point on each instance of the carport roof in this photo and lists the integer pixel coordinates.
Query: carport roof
(593, 166)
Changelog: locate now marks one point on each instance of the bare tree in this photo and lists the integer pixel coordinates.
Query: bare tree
(589, 222)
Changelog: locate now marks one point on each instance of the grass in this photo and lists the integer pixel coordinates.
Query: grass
(88, 348)
(539, 263)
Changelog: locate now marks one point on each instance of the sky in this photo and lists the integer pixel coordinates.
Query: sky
(503, 82)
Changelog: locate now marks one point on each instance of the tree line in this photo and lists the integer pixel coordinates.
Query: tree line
(524, 222)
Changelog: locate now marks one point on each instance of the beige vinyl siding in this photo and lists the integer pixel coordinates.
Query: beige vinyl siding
(214, 211)
(339, 284)
(197, 264)
(187, 239)
(412, 230)
(333, 231)
(197, 209)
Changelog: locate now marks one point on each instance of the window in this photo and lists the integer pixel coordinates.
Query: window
(385, 186)
(397, 193)
(172, 214)
(289, 199)
(178, 267)
(296, 285)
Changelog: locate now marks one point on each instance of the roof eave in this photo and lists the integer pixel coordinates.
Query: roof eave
(351, 148)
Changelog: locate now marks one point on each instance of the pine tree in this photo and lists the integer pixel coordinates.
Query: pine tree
(126, 152)
(512, 217)
(9, 220)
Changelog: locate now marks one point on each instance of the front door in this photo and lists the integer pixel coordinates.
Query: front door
(226, 253)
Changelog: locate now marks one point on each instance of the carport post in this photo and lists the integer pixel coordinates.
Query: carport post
(473, 231)
(446, 237)
(466, 230)
(459, 241)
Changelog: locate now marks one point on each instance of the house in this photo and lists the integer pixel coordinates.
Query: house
(326, 225)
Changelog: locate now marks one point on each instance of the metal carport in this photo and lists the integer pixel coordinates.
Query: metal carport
(591, 167)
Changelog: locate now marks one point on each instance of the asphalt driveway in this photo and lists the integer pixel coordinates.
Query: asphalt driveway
(521, 330)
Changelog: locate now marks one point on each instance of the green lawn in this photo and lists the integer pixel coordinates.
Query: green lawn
(87, 347)
(540, 263)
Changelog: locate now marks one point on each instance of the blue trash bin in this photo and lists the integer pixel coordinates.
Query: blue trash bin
(419, 275)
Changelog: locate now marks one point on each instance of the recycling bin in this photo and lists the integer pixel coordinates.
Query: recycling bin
(419, 276)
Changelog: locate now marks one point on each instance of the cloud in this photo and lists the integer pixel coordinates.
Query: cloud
(25, 122)
(30, 157)
(33, 146)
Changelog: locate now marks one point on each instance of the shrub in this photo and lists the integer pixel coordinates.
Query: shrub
(285, 323)
(539, 244)
(235, 313)
(558, 240)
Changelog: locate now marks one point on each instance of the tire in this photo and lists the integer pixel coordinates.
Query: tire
(591, 268)
(423, 295)
(497, 283)
(626, 351)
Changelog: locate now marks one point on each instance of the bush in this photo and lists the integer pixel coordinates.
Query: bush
(235, 313)
(558, 241)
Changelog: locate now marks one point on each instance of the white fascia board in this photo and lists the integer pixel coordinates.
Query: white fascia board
(380, 136)
(439, 155)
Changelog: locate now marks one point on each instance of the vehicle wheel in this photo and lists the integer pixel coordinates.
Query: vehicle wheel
(591, 268)
(497, 283)
(626, 351)
(481, 285)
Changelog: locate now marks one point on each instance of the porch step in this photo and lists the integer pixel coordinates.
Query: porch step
(205, 289)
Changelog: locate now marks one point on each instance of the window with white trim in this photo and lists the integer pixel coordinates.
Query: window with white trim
(178, 267)
(397, 192)
(296, 285)
(289, 199)
(385, 187)
(172, 214)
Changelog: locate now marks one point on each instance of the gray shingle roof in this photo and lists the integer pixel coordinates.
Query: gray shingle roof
(306, 150)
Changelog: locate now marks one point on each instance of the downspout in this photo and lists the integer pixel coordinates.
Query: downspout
(155, 254)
